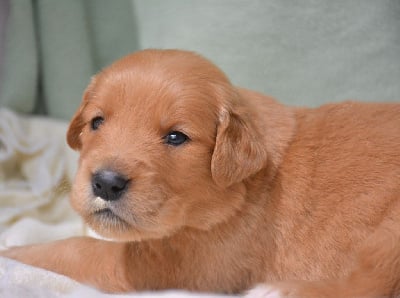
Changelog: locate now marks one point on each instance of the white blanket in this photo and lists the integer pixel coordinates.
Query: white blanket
(36, 172)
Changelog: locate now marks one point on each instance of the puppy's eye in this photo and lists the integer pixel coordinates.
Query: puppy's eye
(175, 138)
(96, 122)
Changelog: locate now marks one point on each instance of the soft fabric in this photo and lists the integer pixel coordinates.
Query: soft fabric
(52, 48)
(20, 281)
(36, 171)
(4, 12)
(301, 52)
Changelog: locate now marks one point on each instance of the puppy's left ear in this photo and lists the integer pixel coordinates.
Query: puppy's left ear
(239, 150)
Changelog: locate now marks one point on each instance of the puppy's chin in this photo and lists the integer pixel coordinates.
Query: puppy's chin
(110, 226)
(114, 220)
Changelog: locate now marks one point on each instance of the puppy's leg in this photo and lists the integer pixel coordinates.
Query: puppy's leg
(377, 274)
(114, 266)
(95, 262)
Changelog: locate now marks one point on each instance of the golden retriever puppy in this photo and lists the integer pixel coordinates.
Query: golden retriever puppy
(208, 187)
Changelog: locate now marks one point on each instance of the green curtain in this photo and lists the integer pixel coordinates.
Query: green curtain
(53, 47)
(305, 52)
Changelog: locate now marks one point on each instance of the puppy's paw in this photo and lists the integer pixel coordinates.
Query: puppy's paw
(264, 291)
(14, 253)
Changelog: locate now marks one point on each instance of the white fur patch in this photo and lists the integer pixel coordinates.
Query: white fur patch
(263, 291)
(100, 204)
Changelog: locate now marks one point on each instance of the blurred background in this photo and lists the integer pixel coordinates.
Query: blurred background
(302, 52)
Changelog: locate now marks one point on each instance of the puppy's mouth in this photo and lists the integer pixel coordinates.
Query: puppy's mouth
(104, 213)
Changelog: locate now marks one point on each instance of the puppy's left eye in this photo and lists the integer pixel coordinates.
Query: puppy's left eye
(96, 122)
(175, 138)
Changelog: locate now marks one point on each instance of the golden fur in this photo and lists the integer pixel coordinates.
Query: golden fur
(304, 200)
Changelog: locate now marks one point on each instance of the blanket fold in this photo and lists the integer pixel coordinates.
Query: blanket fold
(36, 170)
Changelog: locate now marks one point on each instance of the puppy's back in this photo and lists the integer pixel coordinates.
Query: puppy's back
(338, 183)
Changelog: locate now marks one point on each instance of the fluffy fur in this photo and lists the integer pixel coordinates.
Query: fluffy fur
(304, 200)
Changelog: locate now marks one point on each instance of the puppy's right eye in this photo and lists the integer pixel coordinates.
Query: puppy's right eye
(96, 122)
(175, 138)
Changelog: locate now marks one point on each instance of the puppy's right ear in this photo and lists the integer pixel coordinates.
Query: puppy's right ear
(239, 149)
(76, 125)
(75, 129)
(242, 147)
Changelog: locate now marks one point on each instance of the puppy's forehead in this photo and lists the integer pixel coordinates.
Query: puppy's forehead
(165, 80)
(174, 88)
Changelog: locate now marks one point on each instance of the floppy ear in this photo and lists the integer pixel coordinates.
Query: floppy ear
(239, 150)
(76, 125)
(75, 128)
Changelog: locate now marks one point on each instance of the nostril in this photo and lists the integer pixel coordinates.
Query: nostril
(108, 185)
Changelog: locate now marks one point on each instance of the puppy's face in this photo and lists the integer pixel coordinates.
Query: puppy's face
(161, 147)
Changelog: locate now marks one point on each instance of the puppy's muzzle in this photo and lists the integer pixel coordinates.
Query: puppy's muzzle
(109, 185)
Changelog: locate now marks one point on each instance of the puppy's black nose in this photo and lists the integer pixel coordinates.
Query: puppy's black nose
(108, 185)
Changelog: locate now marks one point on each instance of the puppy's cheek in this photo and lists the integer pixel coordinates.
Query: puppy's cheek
(172, 216)
(154, 210)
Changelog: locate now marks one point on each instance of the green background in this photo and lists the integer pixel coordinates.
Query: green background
(305, 52)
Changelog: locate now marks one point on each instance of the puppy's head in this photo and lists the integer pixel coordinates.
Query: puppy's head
(165, 142)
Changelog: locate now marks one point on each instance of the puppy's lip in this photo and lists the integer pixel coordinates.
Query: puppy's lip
(104, 211)
(106, 214)
(100, 206)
